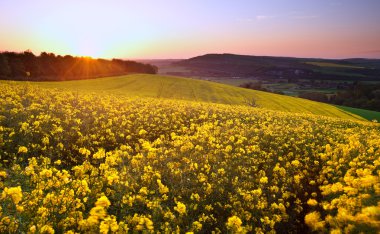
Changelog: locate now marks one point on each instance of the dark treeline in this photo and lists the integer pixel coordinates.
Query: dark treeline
(48, 66)
(358, 95)
(253, 85)
(364, 96)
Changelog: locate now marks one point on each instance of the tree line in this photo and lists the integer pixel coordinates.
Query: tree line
(48, 66)
(359, 95)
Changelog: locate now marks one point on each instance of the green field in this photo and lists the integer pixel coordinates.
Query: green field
(335, 65)
(367, 114)
(195, 90)
(338, 72)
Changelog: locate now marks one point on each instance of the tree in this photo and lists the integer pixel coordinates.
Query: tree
(254, 85)
(30, 63)
(17, 67)
(5, 70)
(315, 96)
(48, 66)
(250, 102)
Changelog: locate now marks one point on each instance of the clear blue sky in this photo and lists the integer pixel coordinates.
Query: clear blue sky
(182, 29)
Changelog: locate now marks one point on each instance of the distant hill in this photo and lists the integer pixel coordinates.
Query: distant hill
(266, 67)
(169, 87)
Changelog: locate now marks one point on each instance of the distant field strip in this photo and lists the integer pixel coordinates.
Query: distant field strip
(195, 90)
(324, 64)
(367, 114)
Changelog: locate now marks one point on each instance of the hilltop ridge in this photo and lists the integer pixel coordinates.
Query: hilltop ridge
(271, 67)
(170, 87)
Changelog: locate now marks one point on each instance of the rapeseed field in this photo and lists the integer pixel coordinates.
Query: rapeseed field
(74, 162)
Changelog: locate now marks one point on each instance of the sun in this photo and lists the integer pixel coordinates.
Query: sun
(88, 48)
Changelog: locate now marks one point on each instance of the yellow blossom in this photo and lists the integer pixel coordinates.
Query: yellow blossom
(180, 208)
(22, 149)
(14, 192)
(103, 202)
(312, 202)
(162, 188)
(313, 220)
(264, 180)
(46, 229)
(234, 224)
(3, 174)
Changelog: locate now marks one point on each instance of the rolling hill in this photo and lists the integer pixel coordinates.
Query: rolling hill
(267, 67)
(93, 153)
(197, 90)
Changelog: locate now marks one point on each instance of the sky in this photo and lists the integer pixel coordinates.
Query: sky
(177, 29)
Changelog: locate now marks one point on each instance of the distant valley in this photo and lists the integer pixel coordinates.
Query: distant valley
(265, 67)
(351, 82)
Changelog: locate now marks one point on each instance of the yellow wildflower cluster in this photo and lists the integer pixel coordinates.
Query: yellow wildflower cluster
(234, 224)
(91, 163)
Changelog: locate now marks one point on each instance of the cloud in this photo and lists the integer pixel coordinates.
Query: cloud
(304, 16)
(265, 17)
(257, 18)
(291, 15)
(301, 15)
(371, 52)
(245, 19)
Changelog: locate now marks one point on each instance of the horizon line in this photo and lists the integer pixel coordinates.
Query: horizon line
(171, 58)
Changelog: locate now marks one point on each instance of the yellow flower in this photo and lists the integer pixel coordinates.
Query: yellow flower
(162, 188)
(297, 179)
(46, 173)
(195, 197)
(82, 151)
(32, 229)
(144, 191)
(234, 224)
(144, 223)
(45, 141)
(103, 202)
(264, 180)
(295, 163)
(60, 146)
(100, 154)
(142, 132)
(197, 226)
(14, 192)
(19, 208)
(335, 231)
(3, 174)
(312, 202)
(114, 226)
(109, 223)
(112, 179)
(42, 211)
(180, 208)
(104, 227)
(22, 149)
(47, 230)
(98, 212)
(313, 220)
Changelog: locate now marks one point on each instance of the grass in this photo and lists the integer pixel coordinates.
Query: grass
(196, 90)
(326, 64)
(338, 72)
(230, 81)
(367, 114)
